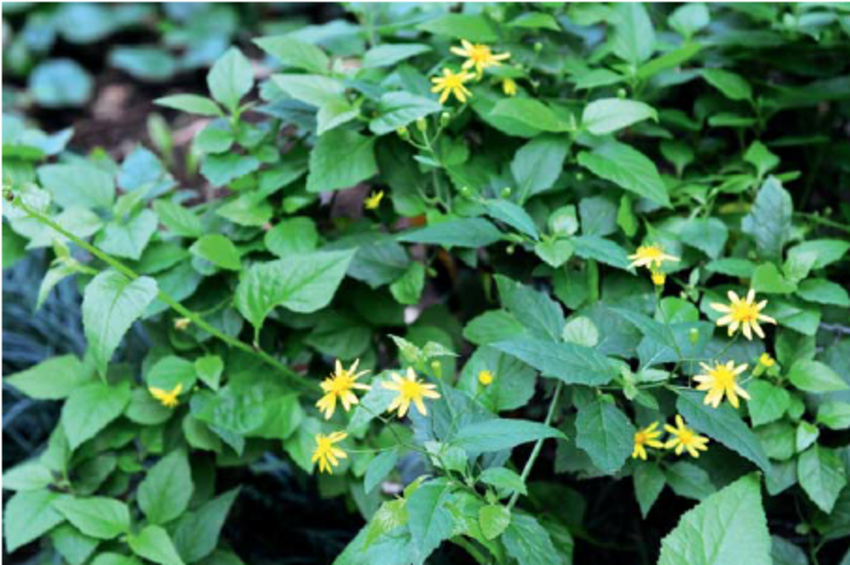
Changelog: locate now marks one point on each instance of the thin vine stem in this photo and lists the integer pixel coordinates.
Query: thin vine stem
(539, 445)
(291, 377)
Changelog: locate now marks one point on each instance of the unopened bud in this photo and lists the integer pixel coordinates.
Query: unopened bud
(402, 132)
(538, 47)
(506, 192)
(445, 118)
(693, 336)
(465, 191)
(621, 93)
(579, 177)
(422, 125)
(511, 249)
(437, 368)
(181, 324)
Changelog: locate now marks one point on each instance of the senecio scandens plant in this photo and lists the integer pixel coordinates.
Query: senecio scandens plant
(436, 236)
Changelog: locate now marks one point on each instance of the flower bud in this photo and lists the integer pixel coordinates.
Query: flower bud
(485, 377)
(180, 324)
(402, 132)
(422, 125)
(445, 119)
(437, 368)
(538, 47)
(621, 93)
(465, 191)
(658, 278)
(693, 336)
(579, 176)
(506, 192)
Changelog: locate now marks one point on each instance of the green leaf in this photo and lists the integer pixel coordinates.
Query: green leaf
(115, 559)
(649, 481)
(209, 369)
(513, 215)
(495, 325)
(768, 402)
(165, 492)
(503, 479)
(769, 220)
(608, 115)
(732, 267)
(57, 83)
(689, 481)
(826, 251)
(727, 527)
(767, 279)
(628, 168)
(154, 544)
(814, 376)
(462, 26)
(294, 53)
(533, 309)
(571, 363)
(823, 291)
(53, 379)
(302, 283)
(761, 158)
(688, 19)
(397, 109)
(190, 103)
(532, 113)
(669, 60)
(709, 235)
(431, 521)
(529, 543)
(555, 252)
(292, 236)
(230, 78)
(78, 184)
(27, 476)
(634, 36)
(501, 433)
(379, 468)
(218, 250)
(74, 546)
(247, 210)
(537, 165)
(535, 20)
(91, 408)
(822, 475)
(464, 232)
(408, 288)
(223, 169)
(722, 424)
(315, 90)
(605, 434)
(197, 532)
(29, 516)
(111, 304)
(513, 381)
(493, 519)
(128, 239)
(834, 415)
(386, 55)
(334, 113)
(98, 516)
(733, 86)
(602, 250)
(341, 159)
(178, 219)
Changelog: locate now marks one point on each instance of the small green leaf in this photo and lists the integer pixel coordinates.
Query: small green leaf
(628, 168)
(431, 521)
(29, 516)
(53, 379)
(407, 289)
(768, 403)
(178, 219)
(209, 369)
(98, 516)
(154, 544)
(165, 492)
(91, 408)
(568, 362)
(294, 53)
(379, 468)
(822, 475)
(814, 376)
(190, 103)
(605, 434)
(499, 433)
(78, 184)
(649, 481)
(397, 109)
(218, 250)
(386, 55)
(608, 115)
(503, 479)
(732, 86)
(197, 532)
(465, 232)
(230, 78)
(341, 159)
(769, 220)
(462, 26)
(493, 519)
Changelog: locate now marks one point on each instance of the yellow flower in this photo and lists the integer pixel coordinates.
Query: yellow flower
(509, 87)
(745, 314)
(409, 390)
(340, 385)
(767, 360)
(478, 56)
(326, 454)
(181, 324)
(485, 377)
(650, 256)
(168, 399)
(452, 83)
(648, 436)
(685, 438)
(720, 380)
(374, 200)
(658, 278)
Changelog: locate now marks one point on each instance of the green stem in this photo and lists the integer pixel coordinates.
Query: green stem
(824, 222)
(539, 445)
(291, 377)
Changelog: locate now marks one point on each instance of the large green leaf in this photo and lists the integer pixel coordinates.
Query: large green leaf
(218, 250)
(52, 379)
(537, 164)
(462, 26)
(341, 159)
(302, 283)
(78, 184)
(822, 475)
(397, 109)
(165, 492)
(295, 53)
(732, 85)
(111, 304)
(465, 232)
(154, 544)
(91, 408)
(814, 376)
(571, 363)
(608, 115)
(529, 543)
(98, 516)
(727, 527)
(605, 433)
(535, 310)
(502, 433)
(628, 168)
(722, 424)
(431, 521)
(769, 220)
(634, 36)
(197, 532)
(230, 78)
(28, 516)
(178, 219)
